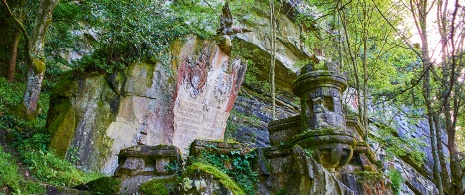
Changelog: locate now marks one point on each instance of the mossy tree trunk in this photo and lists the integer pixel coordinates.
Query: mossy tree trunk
(34, 49)
(36, 70)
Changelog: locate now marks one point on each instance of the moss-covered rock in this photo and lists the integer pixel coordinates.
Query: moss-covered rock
(206, 178)
(159, 186)
(103, 186)
(62, 129)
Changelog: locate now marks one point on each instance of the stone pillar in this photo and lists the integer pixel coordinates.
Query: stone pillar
(322, 122)
(320, 91)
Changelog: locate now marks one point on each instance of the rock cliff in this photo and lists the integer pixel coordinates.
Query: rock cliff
(93, 117)
(197, 92)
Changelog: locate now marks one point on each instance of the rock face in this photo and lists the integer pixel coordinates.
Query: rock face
(92, 118)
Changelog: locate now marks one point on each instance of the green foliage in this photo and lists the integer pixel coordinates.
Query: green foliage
(125, 37)
(103, 186)
(309, 152)
(9, 171)
(11, 118)
(45, 165)
(236, 188)
(231, 129)
(49, 168)
(396, 180)
(10, 176)
(243, 118)
(31, 187)
(158, 186)
(240, 170)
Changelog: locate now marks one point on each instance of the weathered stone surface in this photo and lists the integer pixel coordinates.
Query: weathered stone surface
(283, 131)
(289, 45)
(218, 146)
(139, 164)
(208, 84)
(131, 185)
(367, 183)
(147, 160)
(291, 171)
(255, 131)
(414, 181)
(149, 103)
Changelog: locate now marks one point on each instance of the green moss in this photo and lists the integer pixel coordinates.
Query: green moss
(158, 186)
(281, 191)
(368, 176)
(396, 180)
(223, 178)
(104, 186)
(64, 86)
(38, 65)
(62, 129)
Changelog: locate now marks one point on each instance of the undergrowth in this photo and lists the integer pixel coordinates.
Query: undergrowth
(27, 143)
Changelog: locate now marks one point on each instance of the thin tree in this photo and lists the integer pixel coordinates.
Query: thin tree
(34, 50)
(273, 57)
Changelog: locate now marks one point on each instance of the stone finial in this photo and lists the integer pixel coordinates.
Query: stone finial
(226, 30)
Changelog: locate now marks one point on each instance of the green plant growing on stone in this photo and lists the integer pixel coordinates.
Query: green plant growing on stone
(47, 167)
(174, 167)
(401, 146)
(240, 166)
(309, 153)
(231, 129)
(73, 154)
(396, 180)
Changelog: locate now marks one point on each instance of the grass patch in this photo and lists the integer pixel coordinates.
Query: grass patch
(49, 168)
(9, 171)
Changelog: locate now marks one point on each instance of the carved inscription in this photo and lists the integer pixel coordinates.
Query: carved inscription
(193, 122)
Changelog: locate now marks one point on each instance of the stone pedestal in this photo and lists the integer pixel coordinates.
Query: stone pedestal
(147, 160)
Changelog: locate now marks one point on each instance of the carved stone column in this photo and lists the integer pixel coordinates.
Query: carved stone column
(322, 122)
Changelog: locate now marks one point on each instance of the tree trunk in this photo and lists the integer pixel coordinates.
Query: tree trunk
(273, 58)
(37, 64)
(442, 157)
(20, 15)
(419, 11)
(13, 55)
